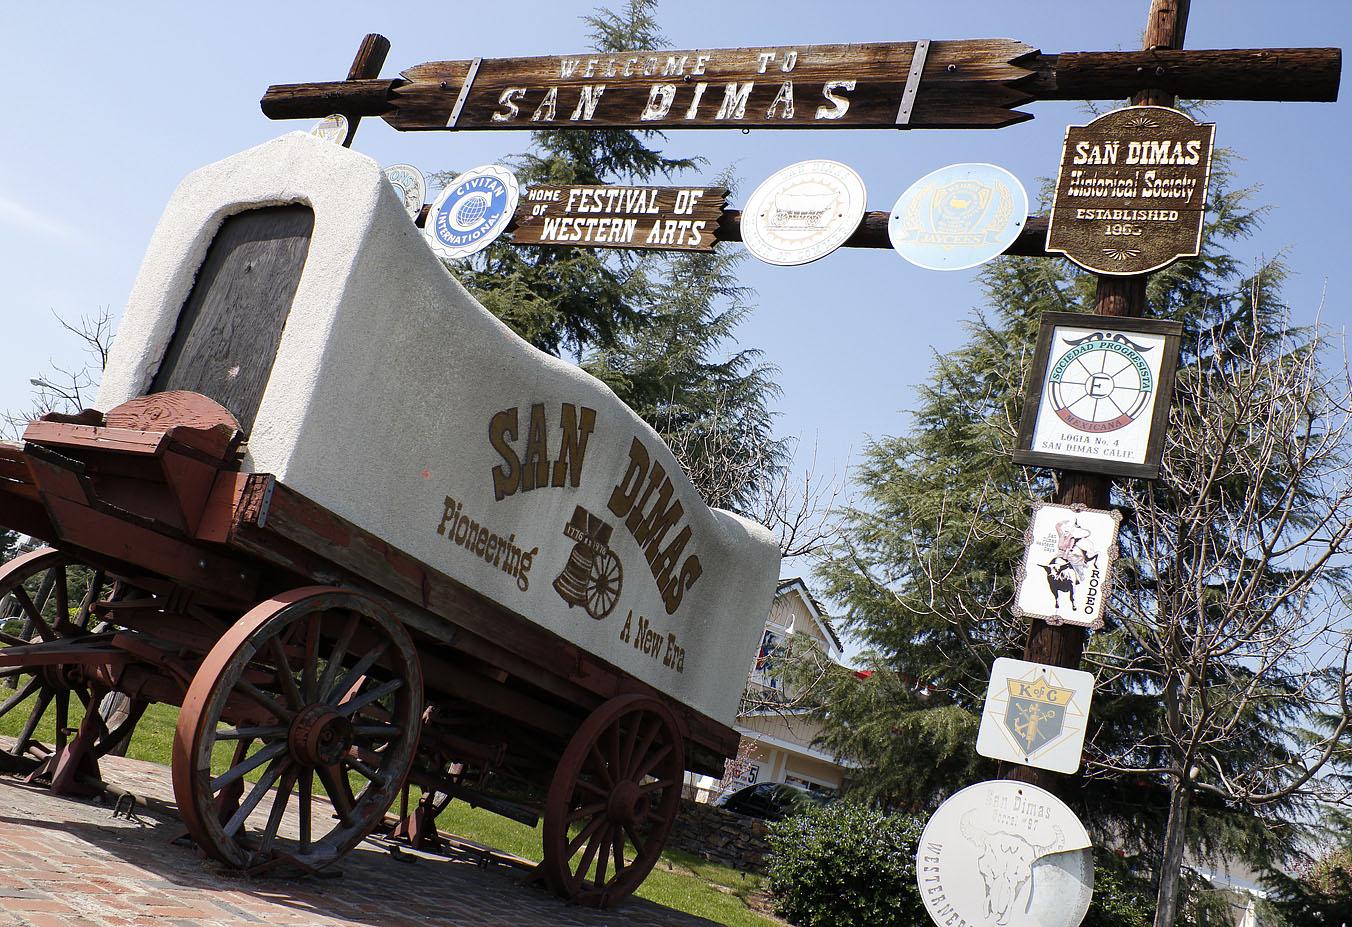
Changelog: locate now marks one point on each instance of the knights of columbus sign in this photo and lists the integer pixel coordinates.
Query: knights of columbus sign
(1035, 715)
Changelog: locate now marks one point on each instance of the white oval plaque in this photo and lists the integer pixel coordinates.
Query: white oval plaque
(803, 212)
(409, 186)
(1005, 854)
(958, 216)
(331, 129)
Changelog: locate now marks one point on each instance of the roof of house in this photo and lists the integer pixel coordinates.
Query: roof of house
(818, 613)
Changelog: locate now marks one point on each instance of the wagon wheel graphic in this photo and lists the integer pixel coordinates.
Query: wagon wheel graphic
(603, 584)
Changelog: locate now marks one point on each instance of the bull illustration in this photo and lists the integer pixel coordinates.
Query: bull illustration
(1005, 864)
(1060, 578)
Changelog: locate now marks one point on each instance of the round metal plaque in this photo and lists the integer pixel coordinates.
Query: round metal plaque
(958, 216)
(472, 211)
(803, 212)
(331, 129)
(409, 186)
(1005, 854)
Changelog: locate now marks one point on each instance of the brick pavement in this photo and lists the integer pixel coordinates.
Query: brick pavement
(70, 863)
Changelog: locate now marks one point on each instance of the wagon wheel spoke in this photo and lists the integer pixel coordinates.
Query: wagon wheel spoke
(586, 811)
(316, 715)
(34, 716)
(338, 654)
(34, 615)
(637, 756)
(305, 809)
(256, 795)
(91, 597)
(313, 629)
(274, 823)
(62, 599)
(27, 689)
(285, 675)
(336, 786)
(650, 763)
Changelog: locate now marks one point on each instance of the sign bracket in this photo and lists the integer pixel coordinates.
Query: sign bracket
(463, 95)
(912, 84)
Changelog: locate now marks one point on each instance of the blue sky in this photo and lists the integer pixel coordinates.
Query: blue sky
(107, 106)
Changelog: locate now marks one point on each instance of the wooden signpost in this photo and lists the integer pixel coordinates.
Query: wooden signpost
(598, 216)
(1131, 192)
(962, 84)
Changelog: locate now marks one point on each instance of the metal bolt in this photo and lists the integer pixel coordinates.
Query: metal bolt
(952, 68)
(201, 564)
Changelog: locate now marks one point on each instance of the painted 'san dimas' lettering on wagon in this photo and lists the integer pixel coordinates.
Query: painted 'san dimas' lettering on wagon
(533, 468)
(644, 499)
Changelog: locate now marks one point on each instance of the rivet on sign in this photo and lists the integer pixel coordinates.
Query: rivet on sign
(746, 131)
(952, 67)
(201, 564)
(688, 78)
(445, 85)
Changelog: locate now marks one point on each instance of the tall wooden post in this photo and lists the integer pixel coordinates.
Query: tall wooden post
(1063, 645)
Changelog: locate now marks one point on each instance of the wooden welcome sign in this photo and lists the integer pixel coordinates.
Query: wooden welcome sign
(966, 83)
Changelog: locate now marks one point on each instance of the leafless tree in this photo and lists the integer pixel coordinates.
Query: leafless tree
(798, 505)
(1232, 614)
(67, 388)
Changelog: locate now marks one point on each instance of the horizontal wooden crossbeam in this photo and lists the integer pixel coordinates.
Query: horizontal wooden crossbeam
(973, 83)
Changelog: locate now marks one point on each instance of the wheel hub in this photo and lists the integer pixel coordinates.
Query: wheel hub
(627, 804)
(319, 736)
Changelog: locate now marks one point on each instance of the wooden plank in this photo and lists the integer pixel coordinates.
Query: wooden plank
(1290, 74)
(989, 77)
(366, 65)
(231, 323)
(601, 216)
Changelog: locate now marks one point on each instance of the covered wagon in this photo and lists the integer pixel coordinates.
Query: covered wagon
(374, 544)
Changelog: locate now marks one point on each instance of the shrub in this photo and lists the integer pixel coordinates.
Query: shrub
(846, 865)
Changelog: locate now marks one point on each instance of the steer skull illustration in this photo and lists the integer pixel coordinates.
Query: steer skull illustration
(1005, 864)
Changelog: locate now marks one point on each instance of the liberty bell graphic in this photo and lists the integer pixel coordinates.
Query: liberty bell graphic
(593, 575)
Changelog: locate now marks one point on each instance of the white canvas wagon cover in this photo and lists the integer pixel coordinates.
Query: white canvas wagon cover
(398, 402)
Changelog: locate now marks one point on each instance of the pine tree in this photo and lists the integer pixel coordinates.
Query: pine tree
(579, 299)
(657, 328)
(1207, 703)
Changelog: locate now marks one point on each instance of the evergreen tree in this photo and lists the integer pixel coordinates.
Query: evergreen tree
(1206, 701)
(656, 327)
(579, 299)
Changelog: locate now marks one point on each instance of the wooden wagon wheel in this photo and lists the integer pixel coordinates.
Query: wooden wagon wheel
(326, 684)
(603, 584)
(613, 798)
(47, 595)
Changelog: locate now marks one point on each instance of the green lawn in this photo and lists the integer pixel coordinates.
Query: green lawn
(680, 880)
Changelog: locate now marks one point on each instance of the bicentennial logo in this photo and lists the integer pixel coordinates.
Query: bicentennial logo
(1102, 383)
(472, 211)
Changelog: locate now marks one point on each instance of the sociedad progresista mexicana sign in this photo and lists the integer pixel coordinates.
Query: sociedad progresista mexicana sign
(1132, 189)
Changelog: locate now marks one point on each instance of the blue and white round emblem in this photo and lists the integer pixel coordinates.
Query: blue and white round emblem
(472, 211)
(958, 216)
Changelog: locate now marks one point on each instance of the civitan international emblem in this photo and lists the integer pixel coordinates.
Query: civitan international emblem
(1099, 397)
(1067, 568)
(803, 212)
(473, 210)
(958, 216)
(1005, 854)
(1035, 715)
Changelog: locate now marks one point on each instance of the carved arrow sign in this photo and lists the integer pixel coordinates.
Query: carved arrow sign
(967, 83)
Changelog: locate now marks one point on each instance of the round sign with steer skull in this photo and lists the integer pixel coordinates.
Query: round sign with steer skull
(1005, 854)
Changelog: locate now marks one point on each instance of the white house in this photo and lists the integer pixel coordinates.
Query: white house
(777, 736)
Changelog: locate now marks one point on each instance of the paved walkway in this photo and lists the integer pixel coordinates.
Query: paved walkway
(70, 863)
